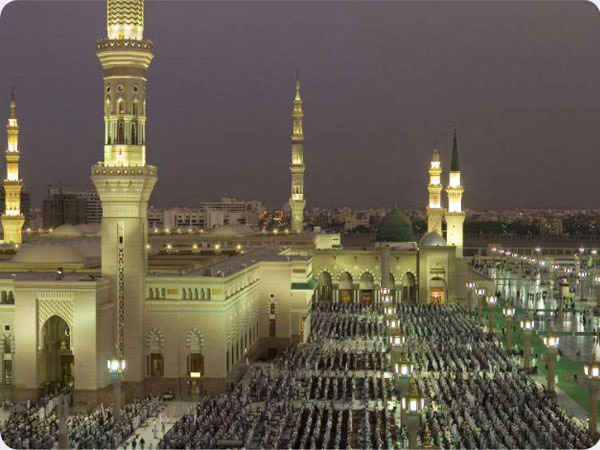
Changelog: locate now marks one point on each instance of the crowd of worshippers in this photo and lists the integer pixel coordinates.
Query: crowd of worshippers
(343, 325)
(338, 394)
(36, 426)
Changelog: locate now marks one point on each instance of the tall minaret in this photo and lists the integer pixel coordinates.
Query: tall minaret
(13, 220)
(435, 212)
(297, 201)
(124, 181)
(455, 216)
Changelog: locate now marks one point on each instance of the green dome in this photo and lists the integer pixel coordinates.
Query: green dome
(395, 227)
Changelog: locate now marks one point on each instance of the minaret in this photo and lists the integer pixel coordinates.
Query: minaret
(455, 216)
(435, 212)
(297, 201)
(13, 220)
(124, 180)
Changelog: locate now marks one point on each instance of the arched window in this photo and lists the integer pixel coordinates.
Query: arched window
(134, 136)
(107, 106)
(184, 297)
(120, 133)
(195, 293)
(121, 106)
(134, 107)
(163, 293)
(150, 293)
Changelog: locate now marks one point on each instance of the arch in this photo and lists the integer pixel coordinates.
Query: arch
(409, 288)
(150, 293)
(325, 286)
(163, 293)
(11, 297)
(346, 288)
(121, 106)
(135, 107)
(107, 106)
(190, 294)
(155, 340)
(195, 340)
(3, 296)
(366, 281)
(183, 294)
(120, 132)
(437, 290)
(202, 295)
(56, 361)
(195, 293)
(134, 135)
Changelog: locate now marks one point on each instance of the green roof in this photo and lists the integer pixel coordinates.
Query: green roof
(308, 286)
(395, 227)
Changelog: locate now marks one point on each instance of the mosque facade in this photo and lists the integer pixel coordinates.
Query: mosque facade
(70, 303)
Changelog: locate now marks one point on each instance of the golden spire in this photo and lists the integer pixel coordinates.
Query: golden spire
(13, 104)
(427, 437)
(298, 113)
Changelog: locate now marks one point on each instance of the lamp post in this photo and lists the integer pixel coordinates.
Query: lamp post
(480, 295)
(597, 286)
(527, 325)
(396, 339)
(470, 288)
(116, 367)
(551, 342)
(403, 370)
(491, 302)
(412, 404)
(63, 411)
(509, 313)
(592, 374)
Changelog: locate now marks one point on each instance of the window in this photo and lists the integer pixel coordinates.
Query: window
(272, 308)
(6, 327)
(7, 380)
(197, 363)
(121, 107)
(156, 365)
(272, 328)
(135, 107)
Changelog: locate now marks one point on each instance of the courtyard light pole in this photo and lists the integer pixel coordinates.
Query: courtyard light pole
(592, 375)
(527, 325)
(403, 370)
(470, 288)
(551, 342)
(480, 298)
(491, 302)
(116, 367)
(509, 313)
(597, 292)
(412, 404)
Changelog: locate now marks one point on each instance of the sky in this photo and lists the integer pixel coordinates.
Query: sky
(381, 82)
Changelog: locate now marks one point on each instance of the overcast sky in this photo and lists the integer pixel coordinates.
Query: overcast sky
(380, 82)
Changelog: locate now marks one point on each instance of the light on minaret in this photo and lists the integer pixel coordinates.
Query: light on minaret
(123, 179)
(13, 220)
(297, 201)
(435, 212)
(455, 216)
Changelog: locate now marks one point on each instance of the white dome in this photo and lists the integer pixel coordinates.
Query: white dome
(230, 230)
(89, 247)
(90, 228)
(48, 254)
(432, 239)
(67, 231)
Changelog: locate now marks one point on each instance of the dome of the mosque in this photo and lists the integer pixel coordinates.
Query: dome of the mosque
(89, 247)
(432, 239)
(67, 231)
(90, 229)
(234, 230)
(395, 227)
(49, 254)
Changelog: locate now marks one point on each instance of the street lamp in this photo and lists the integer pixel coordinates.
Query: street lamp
(551, 342)
(509, 313)
(412, 404)
(116, 367)
(491, 302)
(470, 288)
(597, 285)
(527, 325)
(480, 294)
(592, 374)
(397, 340)
(403, 370)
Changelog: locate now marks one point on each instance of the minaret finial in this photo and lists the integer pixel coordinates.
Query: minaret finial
(454, 165)
(12, 93)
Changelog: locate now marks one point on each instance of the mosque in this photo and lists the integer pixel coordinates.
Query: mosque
(72, 302)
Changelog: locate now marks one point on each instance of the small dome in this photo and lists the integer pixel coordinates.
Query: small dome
(432, 239)
(90, 229)
(49, 254)
(67, 231)
(395, 227)
(88, 247)
(230, 230)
